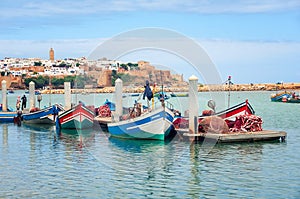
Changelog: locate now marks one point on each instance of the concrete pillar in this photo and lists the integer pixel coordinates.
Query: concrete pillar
(118, 95)
(193, 104)
(4, 96)
(31, 95)
(67, 95)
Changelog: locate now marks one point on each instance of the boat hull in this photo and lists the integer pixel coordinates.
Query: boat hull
(44, 116)
(7, 117)
(155, 125)
(229, 114)
(78, 117)
(279, 96)
(179, 95)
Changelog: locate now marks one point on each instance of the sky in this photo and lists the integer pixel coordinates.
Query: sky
(253, 41)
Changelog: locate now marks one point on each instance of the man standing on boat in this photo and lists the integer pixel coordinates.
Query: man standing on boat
(148, 93)
(24, 101)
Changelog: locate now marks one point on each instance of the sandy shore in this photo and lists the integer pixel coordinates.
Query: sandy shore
(202, 88)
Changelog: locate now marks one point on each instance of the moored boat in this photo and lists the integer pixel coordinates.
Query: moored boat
(229, 114)
(155, 125)
(161, 95)
(9, 115)
(78, 117)
(44, 116)
(179, 94)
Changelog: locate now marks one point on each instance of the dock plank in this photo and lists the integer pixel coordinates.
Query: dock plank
(238, 136)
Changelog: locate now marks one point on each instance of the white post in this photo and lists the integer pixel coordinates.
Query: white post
(4, 96)
(118, 95)
(193, 104)
(67, 95)
(31, 95)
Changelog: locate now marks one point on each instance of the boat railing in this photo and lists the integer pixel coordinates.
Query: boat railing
(169, 105)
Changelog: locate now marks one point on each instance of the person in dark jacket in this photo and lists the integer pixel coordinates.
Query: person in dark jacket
(148, 92)
(24, 101)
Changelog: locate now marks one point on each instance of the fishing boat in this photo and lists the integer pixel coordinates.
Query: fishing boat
(44, 116)
(37, 92)
(11, 91)
(229, 114)
(278, 97)
(179, 94)
(293, 100)
(160, 95)
(8, 116)
(155, 125)
(78, 117)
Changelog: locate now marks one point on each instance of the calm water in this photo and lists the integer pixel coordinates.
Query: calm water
(36, 163)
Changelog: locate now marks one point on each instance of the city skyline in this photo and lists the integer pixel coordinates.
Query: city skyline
(252, 41)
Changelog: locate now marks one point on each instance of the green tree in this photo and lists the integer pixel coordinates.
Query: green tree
(124, 66)
(114, 77)
(39, 63)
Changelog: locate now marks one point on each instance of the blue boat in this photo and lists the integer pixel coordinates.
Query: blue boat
(160, 95)
(279, 96)
(7, 116)
(155, 125)
(37, 92)
(44, 116)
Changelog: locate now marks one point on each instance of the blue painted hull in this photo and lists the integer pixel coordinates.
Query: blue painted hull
(44, 116)
(154, 125)
(7, 116)
(278, 97)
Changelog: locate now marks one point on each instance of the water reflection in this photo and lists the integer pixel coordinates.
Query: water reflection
(77, 137)
(5, 134)
(38, 127)
(136, 146)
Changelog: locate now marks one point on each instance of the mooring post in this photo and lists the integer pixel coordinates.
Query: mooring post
(118, 95)
(4, 96)
(67, 95)
(193, 104)
(31, 95)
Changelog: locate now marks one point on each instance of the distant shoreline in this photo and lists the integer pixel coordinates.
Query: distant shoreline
(202, 88)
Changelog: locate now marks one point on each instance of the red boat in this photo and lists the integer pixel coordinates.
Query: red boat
(78, 117)
(229, 114)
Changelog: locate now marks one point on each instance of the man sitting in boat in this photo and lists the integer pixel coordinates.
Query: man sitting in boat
(294, 96)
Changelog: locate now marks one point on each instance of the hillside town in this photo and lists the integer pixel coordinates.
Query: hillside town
(101, 72)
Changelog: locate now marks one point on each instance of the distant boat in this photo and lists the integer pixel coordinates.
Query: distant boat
(131, 95)
(45, 116)
(11, 91)
(279, 96)
(286, 97)
(155, 125)
(78, 117)
(159, 95)
(37, 92)
(26, 91)
(179, 94)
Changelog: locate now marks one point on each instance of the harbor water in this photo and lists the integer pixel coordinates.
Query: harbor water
(38, 162)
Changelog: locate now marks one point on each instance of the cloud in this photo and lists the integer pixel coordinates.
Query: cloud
(35, 8)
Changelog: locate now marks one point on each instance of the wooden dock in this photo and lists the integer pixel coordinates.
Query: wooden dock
(266, 135)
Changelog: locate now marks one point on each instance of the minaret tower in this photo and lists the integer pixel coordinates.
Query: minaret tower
(51, 54)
